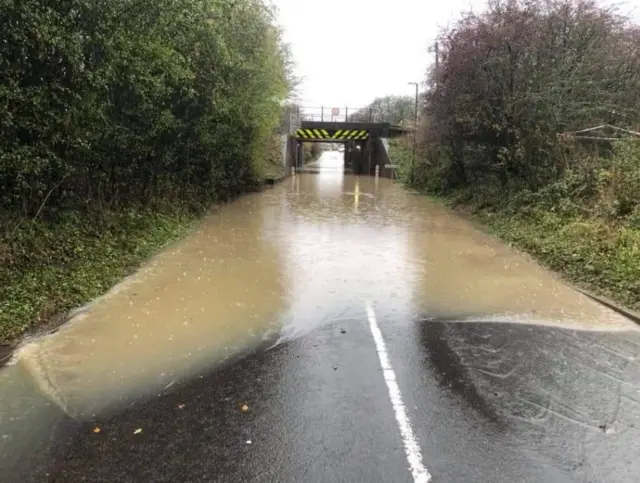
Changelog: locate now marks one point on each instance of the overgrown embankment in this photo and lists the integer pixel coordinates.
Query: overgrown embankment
(570, 226)
(499, 138)
(120, 121)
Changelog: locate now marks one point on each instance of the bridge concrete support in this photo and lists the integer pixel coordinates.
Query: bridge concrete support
(359, 157)
(349, 155)
(291, 155)
(355, 157)
(295, 154)
(299, 155)
(362, 157)
(367, 158)
(380, 158)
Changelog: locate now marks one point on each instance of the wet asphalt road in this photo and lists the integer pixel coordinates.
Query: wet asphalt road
(488, 402)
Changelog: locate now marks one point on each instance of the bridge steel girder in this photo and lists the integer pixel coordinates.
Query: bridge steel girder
(374, 129)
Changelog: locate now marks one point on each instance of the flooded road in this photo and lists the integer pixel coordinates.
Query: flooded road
(289, 277)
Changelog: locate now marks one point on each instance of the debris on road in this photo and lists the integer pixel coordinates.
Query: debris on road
(96, 430)
(138, 431)
(244, 408)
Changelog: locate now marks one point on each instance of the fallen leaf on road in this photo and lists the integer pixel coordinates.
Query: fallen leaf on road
(138, 431)
(96, 429)
(244, 407)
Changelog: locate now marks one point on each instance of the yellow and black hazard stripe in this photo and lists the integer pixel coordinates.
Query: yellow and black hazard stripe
(312, 134)
(339, 135)
(345, 134)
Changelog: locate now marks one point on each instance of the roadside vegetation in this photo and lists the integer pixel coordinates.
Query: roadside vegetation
(506, 135)
(312, 152)
(120, 121)
(392, 109)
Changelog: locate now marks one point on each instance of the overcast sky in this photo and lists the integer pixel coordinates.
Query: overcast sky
(350, 51)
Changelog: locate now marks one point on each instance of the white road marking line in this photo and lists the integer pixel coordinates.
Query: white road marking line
(411, 447)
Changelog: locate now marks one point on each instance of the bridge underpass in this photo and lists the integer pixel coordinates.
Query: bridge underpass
(365, 152)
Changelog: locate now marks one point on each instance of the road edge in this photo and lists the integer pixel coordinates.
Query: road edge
(628, 313)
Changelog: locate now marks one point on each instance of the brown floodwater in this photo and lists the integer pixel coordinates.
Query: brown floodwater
(271, 266)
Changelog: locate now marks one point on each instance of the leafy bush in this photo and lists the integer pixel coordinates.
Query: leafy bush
(625, 178)
(514, 76)
(312, 151)
(133, 100)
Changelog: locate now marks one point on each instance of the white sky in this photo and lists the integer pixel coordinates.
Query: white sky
(350, 51)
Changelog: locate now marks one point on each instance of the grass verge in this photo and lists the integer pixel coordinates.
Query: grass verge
(47, 268)
(590, 252)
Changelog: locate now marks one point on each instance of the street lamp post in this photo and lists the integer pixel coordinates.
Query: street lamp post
(415, 128)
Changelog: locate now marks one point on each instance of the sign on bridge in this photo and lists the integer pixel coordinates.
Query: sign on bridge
(335, 111)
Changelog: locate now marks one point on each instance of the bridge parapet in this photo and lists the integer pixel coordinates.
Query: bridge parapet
(349, 114)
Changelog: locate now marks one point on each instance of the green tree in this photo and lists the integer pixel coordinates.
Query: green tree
(392, 109)
(104, 103)
(513, 77)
